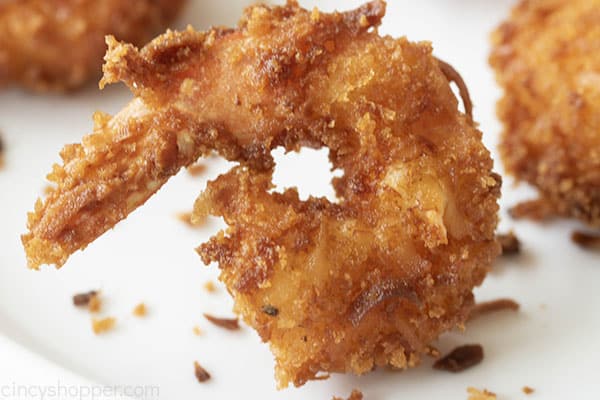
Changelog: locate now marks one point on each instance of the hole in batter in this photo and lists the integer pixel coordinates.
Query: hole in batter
(308, 170)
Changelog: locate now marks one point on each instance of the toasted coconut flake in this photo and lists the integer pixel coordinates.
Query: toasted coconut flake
(201, 374)
(487, 307)
(586, 240)
(453, 76)
(460, 359)
(231, 324)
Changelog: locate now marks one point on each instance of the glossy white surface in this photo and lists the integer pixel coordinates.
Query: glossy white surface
(552, 345)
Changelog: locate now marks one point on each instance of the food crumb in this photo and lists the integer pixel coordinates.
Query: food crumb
(210, 287)
(509, 242)
(270, 310)
(1, 151)
(355, 395)
(196, 169)
(48, 190)
(225, 323)
(476, 394)
(201, 374)
(586, 240)
(197, 331)
(189, 220)
(487, 307)
(90, 299)
(103, 325)
(140, 310)
(460, 359)
(432, 351)
(95, 304)
(528, 390)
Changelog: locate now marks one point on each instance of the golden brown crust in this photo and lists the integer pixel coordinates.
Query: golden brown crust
(58, 44)
(547, 58)
(368, 281)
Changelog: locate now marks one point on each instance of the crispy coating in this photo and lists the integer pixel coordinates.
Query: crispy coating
(58, 44)
(547, 59)
(367, 281)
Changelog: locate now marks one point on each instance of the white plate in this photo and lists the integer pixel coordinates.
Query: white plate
(551, 345)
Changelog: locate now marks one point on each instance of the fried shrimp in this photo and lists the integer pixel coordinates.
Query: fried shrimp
(369, 280)
(58, 44)
(547, 59)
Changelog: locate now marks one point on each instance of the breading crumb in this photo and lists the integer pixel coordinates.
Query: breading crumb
(355, 395)
(1, 152)
(103, 325)
(140, 310)
(48, 190)
(528, 390)
(476, 394)
(197, 331)
(95, 304)
(91, 300)
(432, 351)
(196, 169)
(186, 217)
(210, 287)
(509, 242)
(201, 374)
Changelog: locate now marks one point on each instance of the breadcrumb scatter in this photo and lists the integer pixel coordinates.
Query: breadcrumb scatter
(140, 310)
(196, 169)
(103, 325)
(487, 307)
(231, 324)
(528, 390)
(197, 331)
(368, 281)
(460, 359)
(355, 395)
(201, 374)
(586, 240)
(210, 286)
(509, 242)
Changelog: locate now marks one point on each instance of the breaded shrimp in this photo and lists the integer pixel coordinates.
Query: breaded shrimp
(369, 280)
(547, 59)
(58, 44)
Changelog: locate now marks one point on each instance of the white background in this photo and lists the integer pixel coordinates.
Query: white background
(551, 345)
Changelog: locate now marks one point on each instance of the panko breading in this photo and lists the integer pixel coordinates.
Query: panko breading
(547, 59)
(367, 281)
(58, 44)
